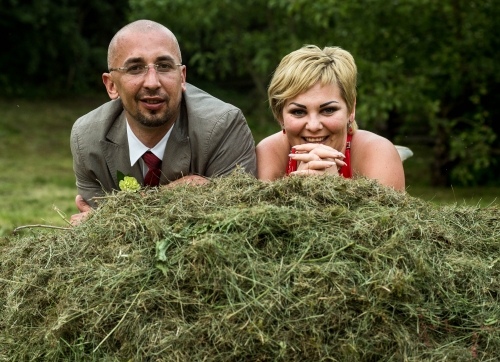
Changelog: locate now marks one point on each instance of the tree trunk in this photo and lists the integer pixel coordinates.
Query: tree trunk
(441, 164)
(261, 95)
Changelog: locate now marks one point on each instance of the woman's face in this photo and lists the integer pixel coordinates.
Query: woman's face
(318, 115)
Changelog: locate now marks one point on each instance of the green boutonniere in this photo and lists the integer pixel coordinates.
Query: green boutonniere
(127, 183)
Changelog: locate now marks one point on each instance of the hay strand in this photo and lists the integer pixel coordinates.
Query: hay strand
(302, 269)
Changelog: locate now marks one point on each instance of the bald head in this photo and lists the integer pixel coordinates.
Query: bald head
(139, 26)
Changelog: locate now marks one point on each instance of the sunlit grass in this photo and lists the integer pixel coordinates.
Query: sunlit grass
(418, 183)
(36, 165)
(36, 172)
(473, 196)
(29, 194)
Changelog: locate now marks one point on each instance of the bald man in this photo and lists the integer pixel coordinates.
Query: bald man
(156, 128)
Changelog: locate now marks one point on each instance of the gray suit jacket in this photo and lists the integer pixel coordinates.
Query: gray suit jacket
(210, 138)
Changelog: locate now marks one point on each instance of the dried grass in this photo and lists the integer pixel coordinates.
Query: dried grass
(302, 269)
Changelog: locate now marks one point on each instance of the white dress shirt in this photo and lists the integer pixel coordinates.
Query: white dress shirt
(136, 148)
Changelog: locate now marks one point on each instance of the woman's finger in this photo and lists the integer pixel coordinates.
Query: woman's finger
(316, 165)
(304, 157)
(309, 157)
(321, 150)
(331, 171)
(307, 173)
(308, 146)
(339, 163)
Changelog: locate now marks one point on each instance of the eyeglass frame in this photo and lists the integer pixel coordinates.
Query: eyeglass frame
(145, 67)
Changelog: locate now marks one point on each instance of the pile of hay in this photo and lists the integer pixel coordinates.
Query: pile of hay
(302, 269)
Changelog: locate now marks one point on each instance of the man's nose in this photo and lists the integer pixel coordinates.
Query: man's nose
(151, 78)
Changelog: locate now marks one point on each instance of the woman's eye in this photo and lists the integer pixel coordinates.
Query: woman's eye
(298, 112)
(329, 110)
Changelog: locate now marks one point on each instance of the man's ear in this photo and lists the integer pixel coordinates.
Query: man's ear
(107, 79)
(183, 75)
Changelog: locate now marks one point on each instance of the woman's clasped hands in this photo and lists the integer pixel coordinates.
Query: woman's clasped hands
(316, 159)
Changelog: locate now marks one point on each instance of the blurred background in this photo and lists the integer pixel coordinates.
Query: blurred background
(429, 79)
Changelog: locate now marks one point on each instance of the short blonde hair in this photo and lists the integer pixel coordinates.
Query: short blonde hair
(303, 68)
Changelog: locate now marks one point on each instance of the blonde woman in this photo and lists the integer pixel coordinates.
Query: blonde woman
(313, 96)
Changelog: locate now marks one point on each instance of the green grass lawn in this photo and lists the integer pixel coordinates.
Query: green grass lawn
(37, 176)
(418, 184)
(472, 196)
(36, 165)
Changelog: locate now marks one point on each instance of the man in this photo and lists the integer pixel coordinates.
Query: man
(157, 128)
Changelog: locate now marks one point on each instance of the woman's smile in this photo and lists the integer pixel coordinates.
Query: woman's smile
(318, 115)
(315, 139)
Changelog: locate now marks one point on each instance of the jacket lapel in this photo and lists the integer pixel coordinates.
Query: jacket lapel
(177, 157)
(116, 152)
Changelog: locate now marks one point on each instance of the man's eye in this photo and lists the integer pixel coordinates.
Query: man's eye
(135, 69)
(164, 67)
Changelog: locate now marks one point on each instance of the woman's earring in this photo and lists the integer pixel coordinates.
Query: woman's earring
(284, 131)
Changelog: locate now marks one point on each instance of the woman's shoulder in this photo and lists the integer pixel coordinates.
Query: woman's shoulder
(366, 143)
(364, 138)
(276, 144)
(272, 156)
(376, 157)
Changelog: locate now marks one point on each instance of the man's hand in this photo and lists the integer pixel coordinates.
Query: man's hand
(189, 180)
(84, 209)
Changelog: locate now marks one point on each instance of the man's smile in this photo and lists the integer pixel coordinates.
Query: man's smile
(152, 103)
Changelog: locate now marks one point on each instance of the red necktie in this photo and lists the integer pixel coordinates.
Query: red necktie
(152, 178)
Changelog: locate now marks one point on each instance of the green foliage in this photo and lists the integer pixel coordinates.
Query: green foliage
(37, 170)
(56, 47)
(427, 69)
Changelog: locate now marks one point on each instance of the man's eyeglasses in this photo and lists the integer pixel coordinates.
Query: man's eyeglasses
(161, 68)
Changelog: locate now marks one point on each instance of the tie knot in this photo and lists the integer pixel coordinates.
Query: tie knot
(151, 160)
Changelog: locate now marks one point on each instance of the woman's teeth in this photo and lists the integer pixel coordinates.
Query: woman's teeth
(315, 139)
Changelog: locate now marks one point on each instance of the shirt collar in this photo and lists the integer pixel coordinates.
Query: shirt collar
(137, 148)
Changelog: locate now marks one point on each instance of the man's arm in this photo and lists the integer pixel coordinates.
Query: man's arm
(232, 145)
(82, 178)
(87, 184)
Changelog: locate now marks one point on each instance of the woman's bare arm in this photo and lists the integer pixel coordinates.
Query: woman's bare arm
(272, 157)
(376, 157)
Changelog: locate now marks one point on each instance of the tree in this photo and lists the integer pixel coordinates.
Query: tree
(56, 47)
(426, 68)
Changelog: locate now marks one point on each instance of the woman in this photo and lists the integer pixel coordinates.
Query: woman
(313, 97)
